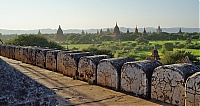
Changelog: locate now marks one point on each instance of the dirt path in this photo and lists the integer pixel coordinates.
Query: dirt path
(75, 92)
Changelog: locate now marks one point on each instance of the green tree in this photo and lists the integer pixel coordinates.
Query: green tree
(167, 47)
(141, 40)
(173, 57)
(188, 41)
(97, 51)
(34, 40)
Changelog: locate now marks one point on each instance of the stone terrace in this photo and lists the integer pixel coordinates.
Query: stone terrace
(75, 92)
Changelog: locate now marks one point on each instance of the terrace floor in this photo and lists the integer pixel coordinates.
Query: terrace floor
(75, 92)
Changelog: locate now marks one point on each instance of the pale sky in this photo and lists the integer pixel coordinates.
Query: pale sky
(86, 14)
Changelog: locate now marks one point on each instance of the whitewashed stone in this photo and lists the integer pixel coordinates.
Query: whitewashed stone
(192, 90)
(109, 72)
(24, 54)
(41, 57)
(60, 57)
(87, 67)
(51, 60)
(3, 50)
(18, 53)
(136, 77)
(70, 62)
(172, 92)
(32, 55)
(11, 51)
(7, 53)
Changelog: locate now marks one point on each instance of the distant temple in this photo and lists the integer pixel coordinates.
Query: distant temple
(59, 31)
(101, 31)
(39, 33)
(116, 30)
(97, 31)
(59, 34)
(159, 30)
(127, 32)
(155, 55)
(82, 32)
(136, 30)
(180, 32)
(144, 32)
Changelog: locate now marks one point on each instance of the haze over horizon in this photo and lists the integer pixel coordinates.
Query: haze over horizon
(82, 14)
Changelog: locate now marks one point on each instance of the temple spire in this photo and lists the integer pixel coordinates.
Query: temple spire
(59, 34)
(128, 33)
(39, 33)
(136, 30)
(144, 32)
(180, 32)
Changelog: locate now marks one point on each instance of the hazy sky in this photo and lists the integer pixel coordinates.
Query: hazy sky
(85, 14)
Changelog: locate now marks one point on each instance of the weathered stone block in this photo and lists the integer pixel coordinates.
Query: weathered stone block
(109, 72)
(70, 62)
(25, 54)
(168, 82)
(18, 52)
(16, 89)
(60, 56)
(32, 55)
(11, 51)
(4, 50)
(87, 67)
(7, 51)
(136, 77)
(41, 57)
(192, 90)
(51, 59)
(1, 48)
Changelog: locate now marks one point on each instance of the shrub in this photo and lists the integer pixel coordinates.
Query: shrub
(141, 40)
(97, 51)
(143, 47)
(34, 40)
(167, 47)
(193, 46)
(172, 57)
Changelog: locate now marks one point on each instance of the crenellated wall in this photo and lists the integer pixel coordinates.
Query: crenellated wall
(177, 84)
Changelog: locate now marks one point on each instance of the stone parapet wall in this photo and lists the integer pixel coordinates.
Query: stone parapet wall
(168, 82)
(41, 57)
(176, 84)
(24, 58)
(60, 60)
(193, 90)
(32, 55)
(18, 53)
(70, 62)
(136, 77)
(51, 59)
(109, 72)
(87, 67)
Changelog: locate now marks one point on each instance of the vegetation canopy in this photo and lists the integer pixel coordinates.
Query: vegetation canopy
(34, 40)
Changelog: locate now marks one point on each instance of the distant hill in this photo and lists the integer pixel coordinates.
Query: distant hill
(123, 29)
